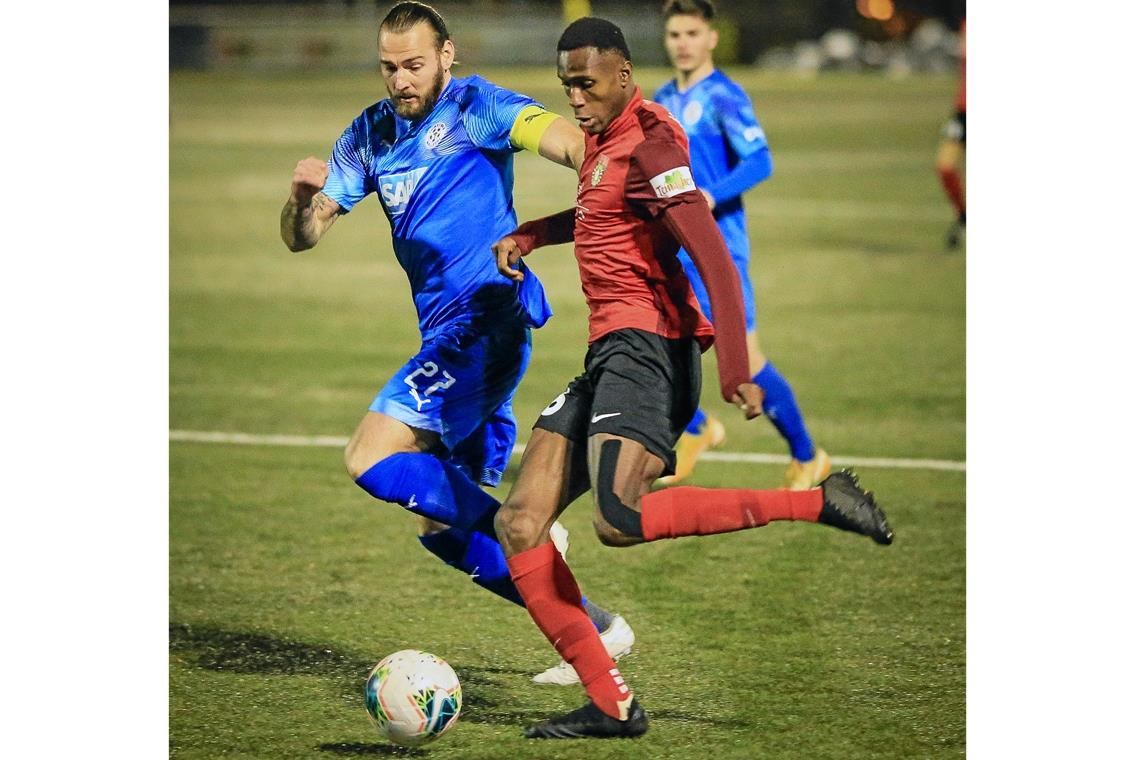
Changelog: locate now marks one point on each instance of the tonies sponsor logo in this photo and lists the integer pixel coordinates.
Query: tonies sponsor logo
(673, 182)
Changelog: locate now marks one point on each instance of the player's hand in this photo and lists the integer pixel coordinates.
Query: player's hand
(507, 255)
(749, 398)
(708, 199)
(308, 179)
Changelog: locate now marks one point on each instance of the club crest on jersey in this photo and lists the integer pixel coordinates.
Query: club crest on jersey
(397, 189)
(435, 134)
(673, 182)
(692, 112)
(599, 170)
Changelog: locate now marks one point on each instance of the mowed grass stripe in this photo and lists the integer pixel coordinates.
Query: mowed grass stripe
(733, 457)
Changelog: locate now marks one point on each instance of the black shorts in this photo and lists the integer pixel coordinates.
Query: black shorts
(637, 385)
(955, 128)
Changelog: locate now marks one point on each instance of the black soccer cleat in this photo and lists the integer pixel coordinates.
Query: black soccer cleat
(589, 721)
(848, 507)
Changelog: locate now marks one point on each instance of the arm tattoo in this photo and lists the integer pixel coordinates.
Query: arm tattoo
(299, 224)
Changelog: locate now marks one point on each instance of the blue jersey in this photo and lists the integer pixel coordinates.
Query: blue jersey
(723, 130)
(445, 184)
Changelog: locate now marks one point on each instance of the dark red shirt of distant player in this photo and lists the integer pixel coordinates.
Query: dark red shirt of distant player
(627, 258)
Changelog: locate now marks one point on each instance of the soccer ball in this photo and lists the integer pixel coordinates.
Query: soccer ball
(412, 697)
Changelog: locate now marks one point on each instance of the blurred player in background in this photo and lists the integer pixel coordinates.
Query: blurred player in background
(613, 429)
(438, 153)
(729, 155)
(952, 153)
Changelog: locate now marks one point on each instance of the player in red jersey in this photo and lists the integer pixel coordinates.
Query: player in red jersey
(952, 153)
(614, 427)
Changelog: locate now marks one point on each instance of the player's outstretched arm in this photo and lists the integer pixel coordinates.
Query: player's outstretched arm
(693, 225)
(549, 230)
(308, 213)
(660, 181)
(550, 136)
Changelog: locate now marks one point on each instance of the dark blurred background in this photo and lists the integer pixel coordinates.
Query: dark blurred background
(896, 37)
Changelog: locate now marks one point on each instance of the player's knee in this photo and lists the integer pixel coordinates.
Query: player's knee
(611, 536)
(427, 527)
(356, 461)
(516, 528)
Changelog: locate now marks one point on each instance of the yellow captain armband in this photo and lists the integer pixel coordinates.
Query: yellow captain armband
(529, 127)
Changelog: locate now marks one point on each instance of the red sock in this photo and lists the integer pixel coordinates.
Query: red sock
(686, 511)
(953, 184)
(555, 603)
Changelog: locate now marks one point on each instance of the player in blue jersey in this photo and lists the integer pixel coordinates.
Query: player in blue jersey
(438, 153)
(729, 154)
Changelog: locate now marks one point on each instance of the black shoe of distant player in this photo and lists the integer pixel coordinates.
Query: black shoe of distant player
(591, 721)
(955, 235)
(846, 505)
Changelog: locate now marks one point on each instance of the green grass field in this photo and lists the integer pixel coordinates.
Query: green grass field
(287, 582)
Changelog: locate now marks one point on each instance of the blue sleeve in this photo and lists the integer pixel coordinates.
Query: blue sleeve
(347, 183)
(745, 175)
(740, 127)
(490, 114)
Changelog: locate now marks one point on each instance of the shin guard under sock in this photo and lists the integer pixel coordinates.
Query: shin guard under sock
(434, 489)
(552, 598)
(952, 184)
(476, 554)
(781, 408)
(688, 511)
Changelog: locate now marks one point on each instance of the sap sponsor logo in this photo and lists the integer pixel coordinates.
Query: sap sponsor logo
(673, 182)
(397, 189)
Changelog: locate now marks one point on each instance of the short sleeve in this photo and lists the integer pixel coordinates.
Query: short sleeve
(739, 124)
(491, 113)
(347, 183)
(660, 176)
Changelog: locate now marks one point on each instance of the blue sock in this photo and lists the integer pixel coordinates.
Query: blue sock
(698, 421)
(478, 555)
(440, 491)
(431, 488)
(781, 408)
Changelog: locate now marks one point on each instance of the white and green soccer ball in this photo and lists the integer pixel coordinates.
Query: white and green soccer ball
(413, 697)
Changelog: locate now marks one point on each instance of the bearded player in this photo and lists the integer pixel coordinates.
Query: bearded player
(438, 153)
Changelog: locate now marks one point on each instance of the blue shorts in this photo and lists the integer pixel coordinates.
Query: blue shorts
(703, 295)
(461, 385)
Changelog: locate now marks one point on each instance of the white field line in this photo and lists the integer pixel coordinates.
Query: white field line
(735, 457)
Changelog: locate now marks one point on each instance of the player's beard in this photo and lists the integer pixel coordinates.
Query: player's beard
(427, 100)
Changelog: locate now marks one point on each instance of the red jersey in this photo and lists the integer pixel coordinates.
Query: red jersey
(627, 259)
(637, 203)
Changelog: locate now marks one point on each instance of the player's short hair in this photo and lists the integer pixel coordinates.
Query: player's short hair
(403, 16)
(596, 33)
(703, 8)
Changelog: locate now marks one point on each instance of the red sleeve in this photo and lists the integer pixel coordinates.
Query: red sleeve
(549, 230)
(661, 182)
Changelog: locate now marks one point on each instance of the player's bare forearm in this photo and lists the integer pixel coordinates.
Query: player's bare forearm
(309, 212)
(303, 223)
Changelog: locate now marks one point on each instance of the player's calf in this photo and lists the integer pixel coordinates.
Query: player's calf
(519, 528)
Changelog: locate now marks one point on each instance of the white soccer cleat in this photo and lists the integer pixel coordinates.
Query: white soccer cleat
(561, 538)
(618, 639)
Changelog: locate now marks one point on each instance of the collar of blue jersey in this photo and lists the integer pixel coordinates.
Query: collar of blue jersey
(692, 88)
